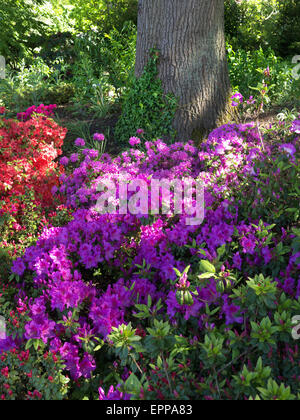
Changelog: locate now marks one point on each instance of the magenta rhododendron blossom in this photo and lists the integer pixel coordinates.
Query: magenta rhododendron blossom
(47, 110)
(134, 141)
(99, 137)
(237, 99)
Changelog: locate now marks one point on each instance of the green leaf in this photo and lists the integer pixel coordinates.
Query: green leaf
(133, 385)
(206, 276)
(206, 267)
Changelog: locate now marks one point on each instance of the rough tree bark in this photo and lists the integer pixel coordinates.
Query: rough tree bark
(189, 35)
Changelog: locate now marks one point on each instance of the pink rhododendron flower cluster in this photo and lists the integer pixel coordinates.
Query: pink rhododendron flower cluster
(46, 110)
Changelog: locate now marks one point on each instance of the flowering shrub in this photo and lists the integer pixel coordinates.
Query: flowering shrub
(25, 374)
(28, 172)
(46, 110)
(28, 151)
(153, 308)
(246, 70)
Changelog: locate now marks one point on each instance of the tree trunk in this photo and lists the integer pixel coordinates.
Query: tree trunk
(189, 35)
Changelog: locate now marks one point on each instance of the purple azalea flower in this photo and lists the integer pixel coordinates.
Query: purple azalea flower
(237, 261)
(237, 99)
(248, 245)
(93, 154)
(231, 311)
(64, 161)
(74, 157)
(79, 142)
(18, 267)
(134, 141)
(87, 365)
(296, 126)
(267, 255)
(54, 190)
(113, 394)
(32, 331)
(288, 148)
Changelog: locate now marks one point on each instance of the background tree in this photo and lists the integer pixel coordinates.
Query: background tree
(20, 27)
(103, 15)
(288, 29)
(189, 36)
